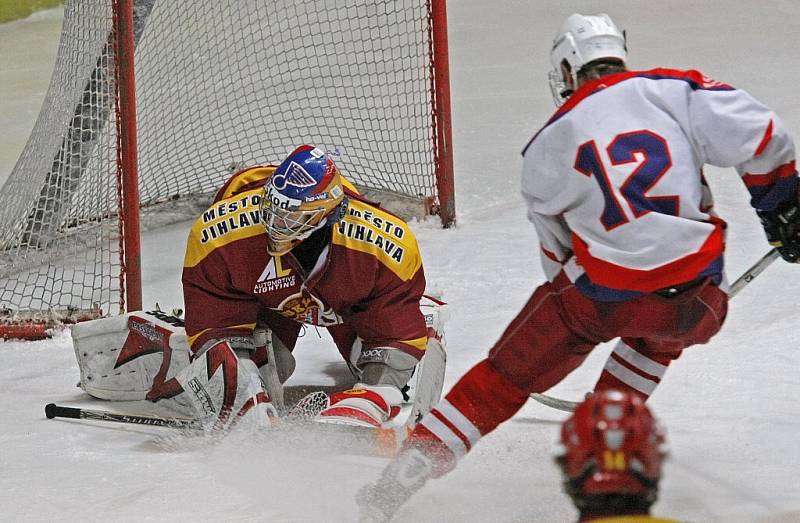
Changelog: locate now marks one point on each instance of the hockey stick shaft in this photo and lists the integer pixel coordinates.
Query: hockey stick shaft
(751, 273)
(740, 283)
(52, 410)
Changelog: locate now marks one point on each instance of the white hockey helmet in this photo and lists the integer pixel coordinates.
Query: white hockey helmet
(582, 39)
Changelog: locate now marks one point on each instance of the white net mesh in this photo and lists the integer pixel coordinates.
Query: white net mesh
(218, 84)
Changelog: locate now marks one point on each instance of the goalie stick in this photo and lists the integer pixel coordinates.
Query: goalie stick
(51, 410)
(740, 283)
(379, 442)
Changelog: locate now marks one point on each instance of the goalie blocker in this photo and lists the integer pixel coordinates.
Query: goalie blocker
(124, 358)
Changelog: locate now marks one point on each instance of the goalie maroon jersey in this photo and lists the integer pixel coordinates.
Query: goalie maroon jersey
(367, 282)
(614, 181)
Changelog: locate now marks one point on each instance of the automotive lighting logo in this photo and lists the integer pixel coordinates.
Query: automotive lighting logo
(274, 277)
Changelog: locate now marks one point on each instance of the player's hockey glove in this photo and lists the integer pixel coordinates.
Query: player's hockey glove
(363, 405)
(782, 226)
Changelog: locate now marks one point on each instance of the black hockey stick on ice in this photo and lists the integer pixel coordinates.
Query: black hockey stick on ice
(51, 410)
(740, 283)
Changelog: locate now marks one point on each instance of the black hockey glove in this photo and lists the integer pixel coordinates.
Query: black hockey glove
(782, 226)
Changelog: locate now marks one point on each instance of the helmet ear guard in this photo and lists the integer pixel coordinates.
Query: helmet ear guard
(562, 82)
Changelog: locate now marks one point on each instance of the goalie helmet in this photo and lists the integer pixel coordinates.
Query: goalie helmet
(582, 39)
(304, 194)
(612, 454)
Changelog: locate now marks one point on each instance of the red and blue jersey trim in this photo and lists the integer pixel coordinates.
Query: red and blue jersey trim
(769, 190)
(687, 268)
(693, 78)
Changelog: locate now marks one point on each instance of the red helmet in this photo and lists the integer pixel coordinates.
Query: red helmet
(613, 449)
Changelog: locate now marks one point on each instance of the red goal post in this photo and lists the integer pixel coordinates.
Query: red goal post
(152, 103)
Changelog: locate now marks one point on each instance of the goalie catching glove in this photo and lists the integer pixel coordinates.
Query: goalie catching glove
(782, 226)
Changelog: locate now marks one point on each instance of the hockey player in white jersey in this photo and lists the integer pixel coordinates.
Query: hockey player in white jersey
(630, 243)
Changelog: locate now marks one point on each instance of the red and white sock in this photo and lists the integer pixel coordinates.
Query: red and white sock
(632, 371)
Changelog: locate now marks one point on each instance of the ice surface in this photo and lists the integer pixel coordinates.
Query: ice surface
(730, 407)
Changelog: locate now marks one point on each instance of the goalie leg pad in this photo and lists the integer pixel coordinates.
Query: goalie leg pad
(427, 388)
(123, 357)
(385, 366)
(427, 382)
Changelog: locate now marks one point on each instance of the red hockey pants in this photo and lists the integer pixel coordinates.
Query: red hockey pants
(549, 338)
(559, 326)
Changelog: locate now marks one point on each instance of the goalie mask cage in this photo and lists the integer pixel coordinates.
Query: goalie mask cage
(218, 85)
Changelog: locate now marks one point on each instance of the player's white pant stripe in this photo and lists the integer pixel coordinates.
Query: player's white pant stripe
(630, 378)
(460, 421)
(443, 432)
(624, 351)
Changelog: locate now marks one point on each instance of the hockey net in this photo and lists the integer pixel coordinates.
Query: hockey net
(219, 85)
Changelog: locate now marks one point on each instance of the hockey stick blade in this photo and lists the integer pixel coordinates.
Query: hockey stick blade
(740, 283)
(51, 410)
(555, 403)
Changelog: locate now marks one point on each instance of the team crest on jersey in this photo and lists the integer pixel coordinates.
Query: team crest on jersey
(274, 277)
(304, 307)
(295, 176)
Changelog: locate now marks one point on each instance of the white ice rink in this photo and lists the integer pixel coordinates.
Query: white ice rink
(731, 407)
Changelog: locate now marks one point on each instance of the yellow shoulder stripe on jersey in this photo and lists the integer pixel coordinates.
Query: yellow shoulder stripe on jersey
(246, 326)
(256, 175)
(371, 230)
(226, 221)
(418, 343)
(349, 185)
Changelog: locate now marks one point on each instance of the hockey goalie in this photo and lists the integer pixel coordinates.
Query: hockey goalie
(278, 248)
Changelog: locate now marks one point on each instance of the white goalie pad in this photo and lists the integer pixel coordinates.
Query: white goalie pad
(435, 313)
(425, 386)
(428, 380)
(120, 358)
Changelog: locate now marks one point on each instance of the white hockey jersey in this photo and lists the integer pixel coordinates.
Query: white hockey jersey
(614, 185)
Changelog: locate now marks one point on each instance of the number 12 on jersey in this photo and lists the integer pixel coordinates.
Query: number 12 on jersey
(622, 150)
